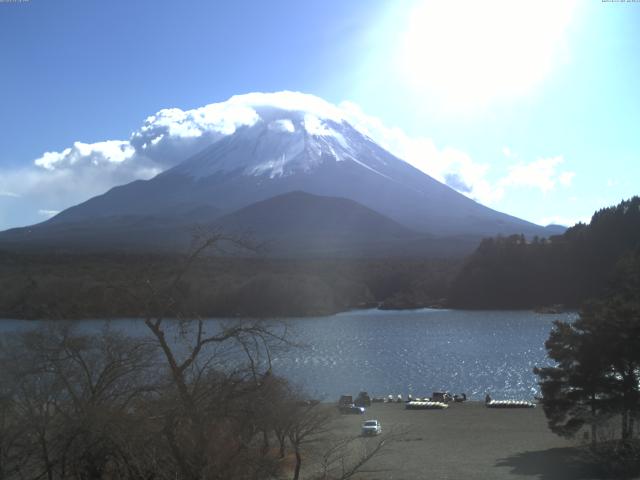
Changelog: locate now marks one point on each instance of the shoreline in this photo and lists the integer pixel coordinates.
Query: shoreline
(311, 315)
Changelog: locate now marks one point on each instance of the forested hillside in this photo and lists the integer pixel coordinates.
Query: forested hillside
(86, 285)
(513, 272)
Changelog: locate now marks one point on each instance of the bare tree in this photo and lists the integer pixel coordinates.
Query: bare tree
(72, 395)
(349, 456)
(306, 426)
(219, 373)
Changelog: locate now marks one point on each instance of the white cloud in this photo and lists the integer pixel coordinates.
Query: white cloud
(48, 213)
(541, 174)
(6, 193)
(286, 100)
(171, 135)
(566, 178)
(99, 153)
(282, 125)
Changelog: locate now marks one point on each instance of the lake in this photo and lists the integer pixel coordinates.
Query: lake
(402, 352)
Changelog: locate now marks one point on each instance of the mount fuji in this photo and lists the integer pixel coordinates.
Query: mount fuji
(294, 143)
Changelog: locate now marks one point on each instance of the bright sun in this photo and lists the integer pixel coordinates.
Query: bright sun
(469, 53)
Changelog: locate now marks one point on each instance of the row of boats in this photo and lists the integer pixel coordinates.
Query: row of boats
(422, 405)
(437, 397)
(509, 404)
(438, 401)
(431, 405)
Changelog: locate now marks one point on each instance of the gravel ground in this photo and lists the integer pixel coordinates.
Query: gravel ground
(467, 441)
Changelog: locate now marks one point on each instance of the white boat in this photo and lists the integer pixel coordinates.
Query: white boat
(510, 404)
(425, 405)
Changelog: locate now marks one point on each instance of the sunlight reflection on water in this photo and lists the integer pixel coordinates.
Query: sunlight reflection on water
(402, 352)
(419, 352)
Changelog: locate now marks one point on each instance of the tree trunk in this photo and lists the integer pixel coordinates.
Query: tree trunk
(265, 442)
(45, 456)
(282, 451)
(296, 473)
(189, 409)
(625, 424)
(628, 405)
(594, 427)
(282, 440)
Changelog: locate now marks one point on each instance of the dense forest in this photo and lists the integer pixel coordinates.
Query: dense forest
(106, 285)
(515, 272)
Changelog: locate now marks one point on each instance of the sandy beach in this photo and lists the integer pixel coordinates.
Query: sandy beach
(468, 441)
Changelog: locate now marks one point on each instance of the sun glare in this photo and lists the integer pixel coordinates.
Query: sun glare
(470, 53)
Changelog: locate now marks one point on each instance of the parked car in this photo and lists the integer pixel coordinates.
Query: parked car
(352, 409)
(371, 427)
(444, 397)
(363, 400)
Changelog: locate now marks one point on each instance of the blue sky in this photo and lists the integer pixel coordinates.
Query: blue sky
(532, 108)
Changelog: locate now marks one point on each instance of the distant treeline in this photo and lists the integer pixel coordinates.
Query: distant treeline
(92, 285)
(513, 272)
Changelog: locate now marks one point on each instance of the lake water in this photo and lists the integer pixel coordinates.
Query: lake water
(402, 352)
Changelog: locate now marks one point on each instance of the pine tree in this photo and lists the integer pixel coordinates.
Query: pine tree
(597, 371)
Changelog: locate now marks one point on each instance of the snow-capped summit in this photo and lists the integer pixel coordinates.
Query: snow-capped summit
(281, 143)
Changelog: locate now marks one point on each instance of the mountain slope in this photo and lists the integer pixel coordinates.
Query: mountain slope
(299, 223)
(294, 224)
(303, 214)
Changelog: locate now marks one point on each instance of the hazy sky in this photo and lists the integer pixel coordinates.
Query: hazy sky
(531, 107)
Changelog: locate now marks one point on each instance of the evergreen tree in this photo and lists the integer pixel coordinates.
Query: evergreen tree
(597, 375)
(572, 391)
(509, 272)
